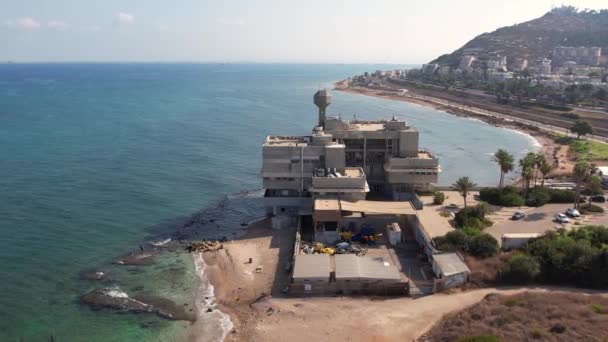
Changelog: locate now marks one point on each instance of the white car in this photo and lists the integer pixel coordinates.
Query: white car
(572, 212)
(561, 218)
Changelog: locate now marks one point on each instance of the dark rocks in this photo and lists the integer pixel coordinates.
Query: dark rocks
(115, 299)
(557, 328)
(204, 246)
(140, 258)
(92, 275)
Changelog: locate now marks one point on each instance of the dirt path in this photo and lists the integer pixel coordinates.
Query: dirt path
(348, 319)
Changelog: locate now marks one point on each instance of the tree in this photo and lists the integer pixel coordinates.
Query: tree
(521, 269)
(527, 171)
(580, 173)
(539, 159)
(464, 185)
(545, 168)
(581, 128)
(505, 161)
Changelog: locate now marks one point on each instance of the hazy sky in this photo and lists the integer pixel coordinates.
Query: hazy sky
(341, 31)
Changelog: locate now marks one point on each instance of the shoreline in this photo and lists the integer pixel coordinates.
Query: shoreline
(547, 146)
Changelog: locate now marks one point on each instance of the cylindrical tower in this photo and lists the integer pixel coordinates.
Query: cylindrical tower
(322, 100)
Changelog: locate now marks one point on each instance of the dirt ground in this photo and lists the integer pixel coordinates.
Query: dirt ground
(529, 316)
(260, 312)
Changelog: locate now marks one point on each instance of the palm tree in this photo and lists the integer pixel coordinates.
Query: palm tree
(505, 161)
(464, 185)
(582, 169)
(539, 159)
(527, 170)
(545, 168)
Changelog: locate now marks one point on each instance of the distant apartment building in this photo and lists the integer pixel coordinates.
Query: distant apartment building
(541, 67)
(579, 55)
(347, 159)
(497, 64)
(519, 64)
(466, 63)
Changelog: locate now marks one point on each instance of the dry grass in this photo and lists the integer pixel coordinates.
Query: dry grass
(528, 317)
(485, 271)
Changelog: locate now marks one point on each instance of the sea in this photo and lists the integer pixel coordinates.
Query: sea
(97, 160)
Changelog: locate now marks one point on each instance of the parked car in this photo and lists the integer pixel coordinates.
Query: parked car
(599, 198)
(561, 218)
(572, 212)
(452, 206)
(518, 215)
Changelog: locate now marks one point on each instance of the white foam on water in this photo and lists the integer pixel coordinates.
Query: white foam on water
(217, 323)
(116, 293)
(161, 243)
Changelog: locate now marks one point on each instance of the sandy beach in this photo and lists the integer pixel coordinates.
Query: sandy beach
(553, 151)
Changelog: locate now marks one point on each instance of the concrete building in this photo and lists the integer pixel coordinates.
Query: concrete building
(450, 270)
(466, 62)
(581, 55)
(519, 64)
(347, 159)
(497, 64)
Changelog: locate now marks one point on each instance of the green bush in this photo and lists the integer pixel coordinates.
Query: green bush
(538, 197)
(508, 196)
(561, 196)
(483, 245)
(474, 217)
(512, 200)
(438, 198)
(452, 241)
(479, 338)
(521, 269)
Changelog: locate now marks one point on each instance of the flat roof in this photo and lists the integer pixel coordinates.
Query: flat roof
(379, 207)
(327, 204)
(450, 263)
(352, 267)
(433, 223)
(311, 266)
(521, 235)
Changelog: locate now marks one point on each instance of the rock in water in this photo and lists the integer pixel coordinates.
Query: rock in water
(115, 299)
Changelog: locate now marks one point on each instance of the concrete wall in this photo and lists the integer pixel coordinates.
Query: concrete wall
(408, 143)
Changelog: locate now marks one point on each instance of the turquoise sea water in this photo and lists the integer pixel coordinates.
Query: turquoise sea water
(94, 157)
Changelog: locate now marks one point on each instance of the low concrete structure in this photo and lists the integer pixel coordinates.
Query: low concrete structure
(368, 275)
(311, 274)
(514, 240)
(450, 270)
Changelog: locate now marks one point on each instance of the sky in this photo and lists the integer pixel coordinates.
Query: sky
(265, 31)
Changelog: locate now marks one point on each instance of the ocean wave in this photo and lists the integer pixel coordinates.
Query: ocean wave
(217, 323)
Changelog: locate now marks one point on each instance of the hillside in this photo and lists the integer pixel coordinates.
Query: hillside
(536, 39)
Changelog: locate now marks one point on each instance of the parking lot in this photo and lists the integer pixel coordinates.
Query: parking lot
(539, 220)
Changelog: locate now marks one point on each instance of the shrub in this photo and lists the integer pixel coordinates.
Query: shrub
(452, 241)
(561, 196)
(483, 245)
(508, 196)
(539, 197)
(521, 269)
(438, 198)
(512, 200)
(473, 217)
(536, 333)
(479, 338)
(597, 308)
